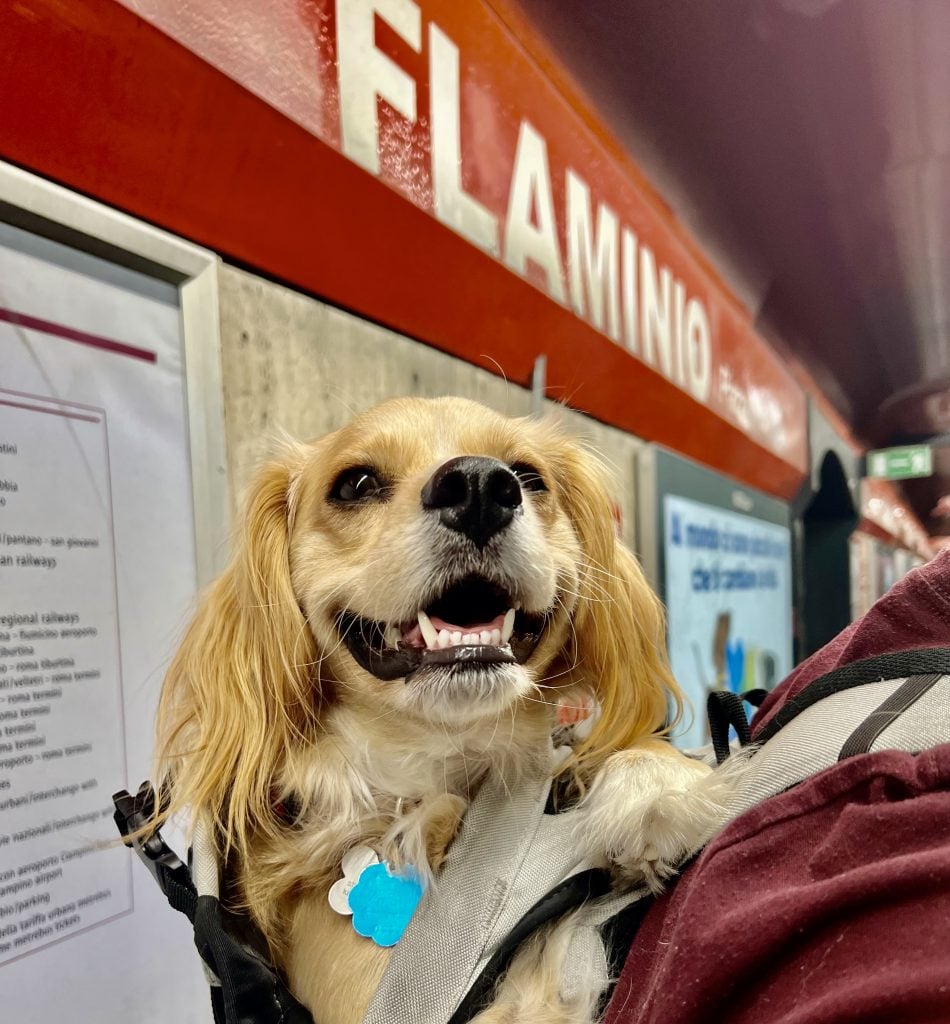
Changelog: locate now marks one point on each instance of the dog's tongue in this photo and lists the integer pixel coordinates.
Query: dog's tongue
(414, 635)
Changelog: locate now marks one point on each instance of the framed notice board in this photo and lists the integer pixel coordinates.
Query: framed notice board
(113, 509)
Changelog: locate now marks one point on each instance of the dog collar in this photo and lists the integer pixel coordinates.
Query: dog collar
(380, 899)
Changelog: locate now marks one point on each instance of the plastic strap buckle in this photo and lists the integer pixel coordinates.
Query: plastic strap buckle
(132, 814)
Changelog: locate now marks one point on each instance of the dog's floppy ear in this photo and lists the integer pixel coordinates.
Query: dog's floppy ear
(241, 689)
(617, 648)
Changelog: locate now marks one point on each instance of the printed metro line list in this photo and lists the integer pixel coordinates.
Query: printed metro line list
(61, 723)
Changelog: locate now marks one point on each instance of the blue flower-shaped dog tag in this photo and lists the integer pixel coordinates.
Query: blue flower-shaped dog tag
(382, 903)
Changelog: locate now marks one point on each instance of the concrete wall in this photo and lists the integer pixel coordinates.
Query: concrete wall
(292, 362)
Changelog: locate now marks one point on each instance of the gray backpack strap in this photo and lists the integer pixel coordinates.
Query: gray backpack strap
(912, 718)
(511, 868)
(894, 702)
(604, 929)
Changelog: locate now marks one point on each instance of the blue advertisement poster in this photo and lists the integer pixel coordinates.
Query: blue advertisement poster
(729, 604)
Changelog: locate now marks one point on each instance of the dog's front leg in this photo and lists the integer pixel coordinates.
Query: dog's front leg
(650, 807)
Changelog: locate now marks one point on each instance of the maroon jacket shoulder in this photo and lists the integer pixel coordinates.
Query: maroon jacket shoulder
(914, 613)
(829, 903)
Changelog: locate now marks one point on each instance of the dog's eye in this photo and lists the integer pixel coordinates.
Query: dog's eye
(357, 485)
(531, 479)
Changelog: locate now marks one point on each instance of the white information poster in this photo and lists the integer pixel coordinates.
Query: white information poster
(729, 604)
(62, 734)
(97, 573)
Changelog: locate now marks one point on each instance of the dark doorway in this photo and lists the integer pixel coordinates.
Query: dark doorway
(827, 523)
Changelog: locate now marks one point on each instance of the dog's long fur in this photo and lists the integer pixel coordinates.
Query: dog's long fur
(264, 705)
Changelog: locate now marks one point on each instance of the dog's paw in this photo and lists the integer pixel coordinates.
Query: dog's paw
(441, 826)
(421, 837)
(646, 813)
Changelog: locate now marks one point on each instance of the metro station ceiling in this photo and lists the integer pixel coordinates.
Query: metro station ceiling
(806, 144)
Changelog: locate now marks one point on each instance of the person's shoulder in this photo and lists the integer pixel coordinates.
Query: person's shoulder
(913, 614)
(832, 896)
(843, 881)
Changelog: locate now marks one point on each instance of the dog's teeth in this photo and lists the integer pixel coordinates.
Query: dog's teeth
(444, 638)
(495, 639)
(429, 633)
(508, 626)
(393, 636)
(456, 639)
(470, 638)
(485, 636)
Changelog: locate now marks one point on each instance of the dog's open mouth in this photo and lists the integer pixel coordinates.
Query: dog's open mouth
(474, 623)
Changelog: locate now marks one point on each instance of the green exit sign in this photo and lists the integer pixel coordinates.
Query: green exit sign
(901, 463)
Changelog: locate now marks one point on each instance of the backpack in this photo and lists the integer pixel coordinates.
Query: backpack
(510, 869)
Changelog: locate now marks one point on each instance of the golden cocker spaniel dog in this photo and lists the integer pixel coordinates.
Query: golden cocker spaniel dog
(409, 599)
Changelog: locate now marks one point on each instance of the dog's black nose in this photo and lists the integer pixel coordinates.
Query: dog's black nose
(474, 495)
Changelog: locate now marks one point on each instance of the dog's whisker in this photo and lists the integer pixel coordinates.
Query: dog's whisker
(574, 645)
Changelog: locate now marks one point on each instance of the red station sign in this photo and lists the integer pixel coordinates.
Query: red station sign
(425, 164)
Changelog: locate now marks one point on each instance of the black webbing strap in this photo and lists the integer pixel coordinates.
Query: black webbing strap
(907, 694)
(217, 1005)
(724, 709)
(571, 893)
(754, 697)
(251, 991)
(921, 661)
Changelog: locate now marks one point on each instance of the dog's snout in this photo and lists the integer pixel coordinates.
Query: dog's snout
(475, 495)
